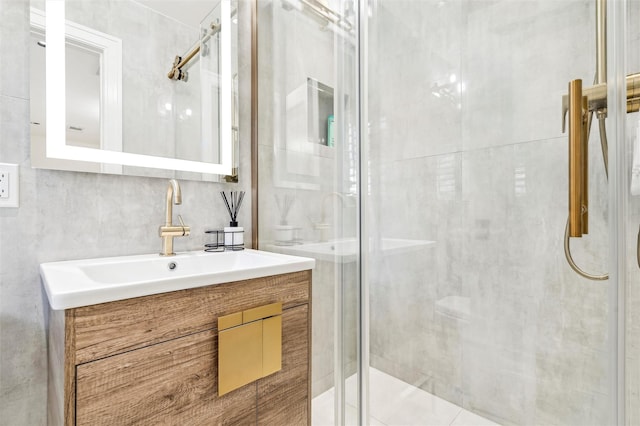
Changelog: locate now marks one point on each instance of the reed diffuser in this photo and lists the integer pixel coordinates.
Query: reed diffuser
(233, 234)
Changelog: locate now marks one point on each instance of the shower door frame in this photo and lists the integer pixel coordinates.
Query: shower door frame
(618, 203)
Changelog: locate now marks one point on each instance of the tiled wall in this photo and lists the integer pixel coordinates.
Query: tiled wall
(68, 215)
(481, 170)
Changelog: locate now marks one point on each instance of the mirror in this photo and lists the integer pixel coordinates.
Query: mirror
(136, 87)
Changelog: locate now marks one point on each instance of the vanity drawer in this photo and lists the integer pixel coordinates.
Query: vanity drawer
(172, 382)
(115, 327)
(175, 382)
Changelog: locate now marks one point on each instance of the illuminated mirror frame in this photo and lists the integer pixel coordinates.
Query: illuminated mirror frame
(56, 105)
(110, 50)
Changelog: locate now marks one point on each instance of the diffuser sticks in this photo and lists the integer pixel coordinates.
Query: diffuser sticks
(233, 204)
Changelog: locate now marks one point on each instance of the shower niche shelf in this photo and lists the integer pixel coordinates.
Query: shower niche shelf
(310, 114)
(308, 136)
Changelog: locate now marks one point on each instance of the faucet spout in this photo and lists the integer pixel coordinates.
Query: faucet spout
(174, 196)
(169, 231)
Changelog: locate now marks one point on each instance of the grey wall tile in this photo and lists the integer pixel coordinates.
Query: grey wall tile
(14, 33)
(70, 215)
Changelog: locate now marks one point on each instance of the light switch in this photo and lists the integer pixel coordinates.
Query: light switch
(9, 188)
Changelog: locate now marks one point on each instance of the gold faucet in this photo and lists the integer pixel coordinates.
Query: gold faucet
(169, 230)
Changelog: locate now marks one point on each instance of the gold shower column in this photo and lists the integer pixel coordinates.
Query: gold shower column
(577, 158)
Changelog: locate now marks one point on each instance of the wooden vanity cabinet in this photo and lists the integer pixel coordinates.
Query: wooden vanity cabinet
(153, 359)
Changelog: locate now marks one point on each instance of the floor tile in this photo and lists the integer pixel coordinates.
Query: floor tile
(322, 409)
(394, 402)
(417, 407)
(467, 418)
(351, 417)
(386, 394)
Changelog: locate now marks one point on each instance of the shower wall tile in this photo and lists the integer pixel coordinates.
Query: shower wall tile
(546, 327)
(518, 58)
(530, 333)
(497, 366)
(498, 246)
(421, 346)
(302, 35)
(425, 57)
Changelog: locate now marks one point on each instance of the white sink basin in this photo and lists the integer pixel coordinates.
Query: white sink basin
(74, 283)
(346, 250)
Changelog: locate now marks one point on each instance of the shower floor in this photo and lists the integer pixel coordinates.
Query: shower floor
(394, 402)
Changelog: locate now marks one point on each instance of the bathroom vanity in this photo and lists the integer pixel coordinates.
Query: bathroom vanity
(154, 359)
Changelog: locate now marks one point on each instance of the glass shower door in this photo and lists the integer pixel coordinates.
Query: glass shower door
(308, 156)
(474, 315)
(418, 155)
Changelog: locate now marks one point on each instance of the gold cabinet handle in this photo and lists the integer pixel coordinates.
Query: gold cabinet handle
(249, 346)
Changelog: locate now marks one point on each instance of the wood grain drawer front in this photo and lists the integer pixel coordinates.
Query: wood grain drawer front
(171, 383)
(115, 327)
(284, 397)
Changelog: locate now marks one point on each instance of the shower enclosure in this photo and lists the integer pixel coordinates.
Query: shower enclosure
(415, 148)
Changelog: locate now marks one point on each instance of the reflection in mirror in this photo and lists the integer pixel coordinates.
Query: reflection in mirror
(145, 120)
(83, 94)
(93, 94)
